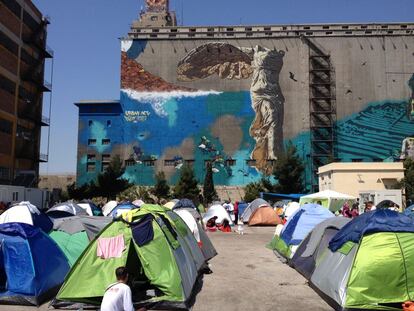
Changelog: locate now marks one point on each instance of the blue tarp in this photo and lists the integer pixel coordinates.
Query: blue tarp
(242, 206)
(409, 211)
(302, 222)
(280, 196)
(32, 265)
(380, 220)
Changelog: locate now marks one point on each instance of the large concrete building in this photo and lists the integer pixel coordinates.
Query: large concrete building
(236, 95)
(23, 51)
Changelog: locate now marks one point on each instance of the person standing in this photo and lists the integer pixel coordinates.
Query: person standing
(118, 296)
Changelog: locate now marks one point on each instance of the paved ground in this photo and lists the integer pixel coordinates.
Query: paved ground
(247, 276)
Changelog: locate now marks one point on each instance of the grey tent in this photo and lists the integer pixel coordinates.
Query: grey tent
(73, 234)
(304, 260)
(188, 205)
(66, 209)
(92, 225)
(252, 207)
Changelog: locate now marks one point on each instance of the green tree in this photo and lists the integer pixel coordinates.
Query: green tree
(187, 186)
(161, 189)
(289, 171)
(78, 193)
(408, 181)
(209, 192)
(253, 189)
(136, 192)
(110, 183)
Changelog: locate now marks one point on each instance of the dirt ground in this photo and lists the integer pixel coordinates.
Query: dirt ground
(247, 276)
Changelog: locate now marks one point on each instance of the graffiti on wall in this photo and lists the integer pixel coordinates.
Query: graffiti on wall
(263, 66)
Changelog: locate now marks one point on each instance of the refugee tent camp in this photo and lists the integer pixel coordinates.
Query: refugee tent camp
(32, 265)
(66, 209)
(27, 213)
(329, 199)
(304, 260)
(219, 211)
(297, 227)
(90, 208)
(159, 251)
(369, 263)
(252, 207)
(264, 216)
(73, 234)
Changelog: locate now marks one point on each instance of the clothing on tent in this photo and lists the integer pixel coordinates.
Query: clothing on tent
(111, 247)
(142, 232)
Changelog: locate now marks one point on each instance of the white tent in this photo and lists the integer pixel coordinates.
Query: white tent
(190, 221)
(330, 199)
(219, 211)
(21, 213)
(109, 207)
(291, 208)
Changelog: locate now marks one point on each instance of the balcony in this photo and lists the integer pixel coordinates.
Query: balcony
(45, 121)
(43, 158)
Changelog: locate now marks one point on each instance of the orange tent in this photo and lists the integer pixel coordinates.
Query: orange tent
(264, 216)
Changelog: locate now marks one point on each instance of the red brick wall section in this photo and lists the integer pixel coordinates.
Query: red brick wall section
(9, 20)
(135, 77)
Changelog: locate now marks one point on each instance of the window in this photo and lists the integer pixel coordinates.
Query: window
(105, 166)
(91, 141)
(4, 173)
(6, 126)
(169, 162)
(108, 123)
(230, 162)
(13, 6)
(106, 141)
(251, 162)
(90, 122)
(356, 160)
(377, 160)
(90, 167)
(91, 157)
(15, 196)
(106, 158)
(69, 179)
(7, 85)
(9, 44)
(149, 162)
(129, 162)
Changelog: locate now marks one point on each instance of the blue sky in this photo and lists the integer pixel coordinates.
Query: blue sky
(84, 35)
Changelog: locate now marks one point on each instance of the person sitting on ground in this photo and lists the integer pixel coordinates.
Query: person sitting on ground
(211, 224)
(118, 296)
(225, 226)
(355, 210)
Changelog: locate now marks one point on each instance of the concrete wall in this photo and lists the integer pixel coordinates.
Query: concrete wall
(241, 97)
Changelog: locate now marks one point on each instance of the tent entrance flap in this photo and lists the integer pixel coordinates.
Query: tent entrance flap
(141, 287)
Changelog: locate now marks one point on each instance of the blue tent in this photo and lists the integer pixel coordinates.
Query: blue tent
(302, 222)
(379, 220)
(32, 267)
(121, 208)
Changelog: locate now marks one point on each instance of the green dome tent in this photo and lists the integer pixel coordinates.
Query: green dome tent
(159, 251)
(369, 263)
